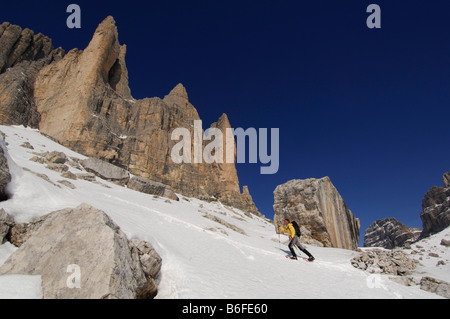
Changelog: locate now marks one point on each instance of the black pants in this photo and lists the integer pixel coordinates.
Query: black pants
(296, 242)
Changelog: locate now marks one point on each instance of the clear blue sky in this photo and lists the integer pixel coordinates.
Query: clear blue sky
(367, 107)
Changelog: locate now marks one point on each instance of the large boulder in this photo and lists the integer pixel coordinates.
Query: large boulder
(22, 55)
(318, 207)
(82, 253)
(388, 233)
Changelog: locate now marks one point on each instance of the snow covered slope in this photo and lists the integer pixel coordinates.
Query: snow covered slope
(208, 250)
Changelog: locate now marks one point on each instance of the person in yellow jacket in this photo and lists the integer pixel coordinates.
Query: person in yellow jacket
(293, 240)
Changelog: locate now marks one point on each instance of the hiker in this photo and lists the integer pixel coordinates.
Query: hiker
(293, 237)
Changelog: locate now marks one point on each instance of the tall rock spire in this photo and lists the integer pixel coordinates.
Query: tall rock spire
(84, 102)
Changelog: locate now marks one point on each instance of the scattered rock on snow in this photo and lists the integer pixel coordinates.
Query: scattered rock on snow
(435, 213)
(27, 145)
(5, 176)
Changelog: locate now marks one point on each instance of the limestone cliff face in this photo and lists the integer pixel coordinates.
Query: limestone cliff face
(84, 102)
(320, 211)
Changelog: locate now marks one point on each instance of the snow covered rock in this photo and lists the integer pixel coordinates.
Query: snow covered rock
(82, 253)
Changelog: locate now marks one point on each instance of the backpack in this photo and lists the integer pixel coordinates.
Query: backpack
(297, 228)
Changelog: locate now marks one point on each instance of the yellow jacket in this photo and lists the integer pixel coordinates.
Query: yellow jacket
(289, 229)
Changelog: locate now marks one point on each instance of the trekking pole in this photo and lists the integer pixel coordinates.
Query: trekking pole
(279, 241)
(279, 237)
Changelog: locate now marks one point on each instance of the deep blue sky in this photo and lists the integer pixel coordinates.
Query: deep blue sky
(367, 107)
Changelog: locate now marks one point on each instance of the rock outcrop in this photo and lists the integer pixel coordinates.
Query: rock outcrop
(83, 101)
(435, 213)
(318, 207)
(82, 253)
(439, 287)
(389, 233)
(5, 176)
(106, 171)
(446, 179)
(6, 222)
(22, 55)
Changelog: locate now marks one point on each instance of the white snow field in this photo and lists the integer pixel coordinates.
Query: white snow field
(201, 257)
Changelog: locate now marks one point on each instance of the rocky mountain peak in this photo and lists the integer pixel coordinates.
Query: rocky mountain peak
(22, 55)
(178, 96)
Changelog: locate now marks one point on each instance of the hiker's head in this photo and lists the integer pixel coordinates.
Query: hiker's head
(286, 221)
